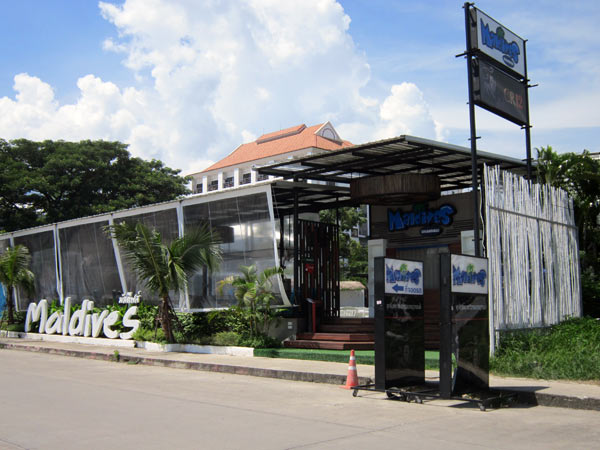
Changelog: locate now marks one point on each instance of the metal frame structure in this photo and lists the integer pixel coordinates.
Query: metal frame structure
(398, 155)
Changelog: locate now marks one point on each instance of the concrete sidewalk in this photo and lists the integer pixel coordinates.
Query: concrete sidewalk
(567, 394)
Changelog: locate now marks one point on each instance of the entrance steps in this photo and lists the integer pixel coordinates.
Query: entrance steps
(338, 334)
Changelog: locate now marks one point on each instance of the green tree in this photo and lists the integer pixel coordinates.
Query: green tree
(353, 255)
(579, 175)
(51, 181)
(166, 268)
(15, 273)
(254, 294)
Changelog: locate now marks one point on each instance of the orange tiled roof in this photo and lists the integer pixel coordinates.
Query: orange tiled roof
(277, 143)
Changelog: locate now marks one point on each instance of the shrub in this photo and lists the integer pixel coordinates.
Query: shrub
(147, 314)
(150, 335)
(259, 341)
(569, 350)
(590, 287)
(227, 338)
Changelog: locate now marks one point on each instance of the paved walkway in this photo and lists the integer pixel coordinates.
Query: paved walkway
(578, 395)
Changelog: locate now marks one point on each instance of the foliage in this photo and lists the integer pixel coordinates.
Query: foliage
(51, 181)
(259, 341)
(353, 255)
(253, 293)
(150, 335)
(579, 175)
(15, 273)
(165, 268)
(147, 315)
(12, 327)
(569, 350)
(590, 291)
(226, 338)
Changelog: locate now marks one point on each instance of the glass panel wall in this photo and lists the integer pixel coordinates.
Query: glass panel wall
(43, 265)
(245, 228)
(165, 222)
(89, 266)
(89, 269)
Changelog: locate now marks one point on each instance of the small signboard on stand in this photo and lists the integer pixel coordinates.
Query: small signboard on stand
(399, 323)
(464, 331)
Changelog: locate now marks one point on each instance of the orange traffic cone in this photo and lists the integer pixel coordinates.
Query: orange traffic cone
(352, 379)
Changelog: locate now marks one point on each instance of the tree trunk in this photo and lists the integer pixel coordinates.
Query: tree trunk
(165, 319)
(10, 315)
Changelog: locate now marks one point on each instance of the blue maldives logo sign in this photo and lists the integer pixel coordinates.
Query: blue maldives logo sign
(431, 219)
(403, 277)
(469, 274)
(496, 40)
(499, 43)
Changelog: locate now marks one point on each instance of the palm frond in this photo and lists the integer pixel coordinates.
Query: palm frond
(14, 268)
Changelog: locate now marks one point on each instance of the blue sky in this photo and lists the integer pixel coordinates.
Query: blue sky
(188, 81)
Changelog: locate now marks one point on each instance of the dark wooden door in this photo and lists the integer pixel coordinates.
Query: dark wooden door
(319, 266)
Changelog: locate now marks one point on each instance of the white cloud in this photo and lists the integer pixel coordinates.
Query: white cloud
(213, 75)
(403, 111)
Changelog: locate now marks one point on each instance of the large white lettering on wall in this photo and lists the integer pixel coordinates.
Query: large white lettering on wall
(82, 323)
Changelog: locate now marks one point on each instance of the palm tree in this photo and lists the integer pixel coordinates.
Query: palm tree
(164, 268)
(15, 273)
(254, 295)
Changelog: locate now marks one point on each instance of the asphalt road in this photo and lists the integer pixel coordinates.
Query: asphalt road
(56, 402)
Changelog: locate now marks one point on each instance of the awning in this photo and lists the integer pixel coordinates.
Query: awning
(334, 170)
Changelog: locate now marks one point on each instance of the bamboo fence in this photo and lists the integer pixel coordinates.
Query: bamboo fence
(533, 253)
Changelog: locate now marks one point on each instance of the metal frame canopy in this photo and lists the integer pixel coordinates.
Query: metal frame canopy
(402, 154)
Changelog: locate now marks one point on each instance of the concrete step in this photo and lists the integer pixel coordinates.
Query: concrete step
(330, 345)
(349, 321)
(352, 337)
(346, 328)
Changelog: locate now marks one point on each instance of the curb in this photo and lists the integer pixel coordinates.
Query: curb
(207, 367)
(554, 400)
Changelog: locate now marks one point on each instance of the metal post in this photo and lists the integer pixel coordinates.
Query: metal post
(528, 124)
(296, 233)
(474, 180)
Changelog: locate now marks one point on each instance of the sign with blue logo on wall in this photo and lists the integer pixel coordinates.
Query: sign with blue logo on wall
(403, 277)
(469, 274)
(499, 43)
(431, 220)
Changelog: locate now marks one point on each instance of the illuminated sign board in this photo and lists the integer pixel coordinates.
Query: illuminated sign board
(499, 93)
(498, 42)
(403, 277)
(421, 216)
(469, 274)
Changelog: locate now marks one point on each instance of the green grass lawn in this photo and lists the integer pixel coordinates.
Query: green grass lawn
(362, 356)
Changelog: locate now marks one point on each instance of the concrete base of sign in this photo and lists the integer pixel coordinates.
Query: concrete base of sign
(194, 348)
(70, 339)
(149, 346)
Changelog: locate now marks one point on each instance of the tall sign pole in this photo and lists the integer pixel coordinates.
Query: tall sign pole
(474, 171)
(497, 80)
(528, 124)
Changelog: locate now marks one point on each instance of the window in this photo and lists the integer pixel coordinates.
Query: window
(228, 182)
(199, 188)
(213, 186)
(261, 177)
(246, 178)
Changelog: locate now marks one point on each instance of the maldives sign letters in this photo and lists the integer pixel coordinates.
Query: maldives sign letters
(499, 43)
(82, 322)
(403, 277)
